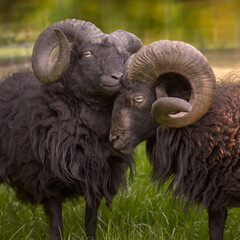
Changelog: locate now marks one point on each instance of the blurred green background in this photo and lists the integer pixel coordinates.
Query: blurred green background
(206, 24)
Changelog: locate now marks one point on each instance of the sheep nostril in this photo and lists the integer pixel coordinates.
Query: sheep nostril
(114, 138)
(117, 75)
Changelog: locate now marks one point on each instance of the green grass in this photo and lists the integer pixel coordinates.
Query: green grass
(139, 212)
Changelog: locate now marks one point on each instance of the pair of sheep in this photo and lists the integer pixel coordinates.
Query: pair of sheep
(58, 130)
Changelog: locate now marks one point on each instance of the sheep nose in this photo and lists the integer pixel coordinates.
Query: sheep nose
(113, 138)
(117, 75)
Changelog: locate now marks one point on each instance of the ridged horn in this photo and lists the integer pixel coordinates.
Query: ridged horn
(165, 56)
(126, 42)
(61, 33)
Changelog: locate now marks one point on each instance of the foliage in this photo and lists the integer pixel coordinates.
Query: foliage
(205, 24)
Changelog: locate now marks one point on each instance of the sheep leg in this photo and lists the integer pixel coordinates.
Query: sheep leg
(91, 218)
(216, 221)
(53, 208)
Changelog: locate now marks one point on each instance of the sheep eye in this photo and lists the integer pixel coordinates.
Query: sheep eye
(139, 99)
(87, 54)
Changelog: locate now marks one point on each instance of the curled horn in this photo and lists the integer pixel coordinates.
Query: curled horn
(161, 57)
(61, 33)
(126, 42)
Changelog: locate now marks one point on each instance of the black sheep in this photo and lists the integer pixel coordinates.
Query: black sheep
(192, 137)
(54, 135)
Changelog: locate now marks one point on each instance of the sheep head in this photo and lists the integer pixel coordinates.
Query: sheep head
(83, 37)
(169, 83)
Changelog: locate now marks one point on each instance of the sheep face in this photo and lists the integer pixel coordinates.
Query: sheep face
(94, 70)
(171, 83)
(132, 121)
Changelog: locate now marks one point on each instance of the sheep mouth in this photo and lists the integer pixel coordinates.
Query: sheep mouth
(124, 149)
(109, 83)
(111, 87)
(123, 146)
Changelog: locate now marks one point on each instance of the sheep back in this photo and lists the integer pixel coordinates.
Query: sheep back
(203, 158)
